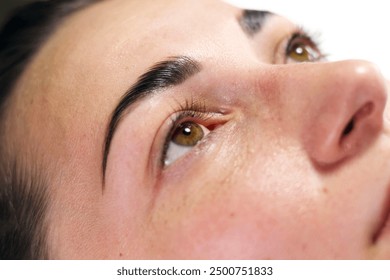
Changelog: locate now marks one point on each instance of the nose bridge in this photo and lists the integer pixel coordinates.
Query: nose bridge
(338, 83)
(334, 108)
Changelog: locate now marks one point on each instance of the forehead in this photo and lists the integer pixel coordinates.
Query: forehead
(117, 39)
(120, 29)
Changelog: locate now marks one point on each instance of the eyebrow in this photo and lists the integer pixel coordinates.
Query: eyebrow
(164, 74)
(251, 21)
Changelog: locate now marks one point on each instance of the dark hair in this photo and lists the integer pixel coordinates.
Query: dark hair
(23, 195)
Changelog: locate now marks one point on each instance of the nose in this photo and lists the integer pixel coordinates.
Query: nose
(341, 108)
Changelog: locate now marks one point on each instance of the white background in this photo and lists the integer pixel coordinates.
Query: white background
(349, 29)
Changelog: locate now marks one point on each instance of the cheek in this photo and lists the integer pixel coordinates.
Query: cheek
(127, 196)
(235, 206)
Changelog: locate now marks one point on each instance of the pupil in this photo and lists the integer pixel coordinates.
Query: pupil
(187, 131)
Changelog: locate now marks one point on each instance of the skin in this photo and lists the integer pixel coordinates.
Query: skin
(275, 177)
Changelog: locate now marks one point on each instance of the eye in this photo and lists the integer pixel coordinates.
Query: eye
(182, 139)
(301, 48)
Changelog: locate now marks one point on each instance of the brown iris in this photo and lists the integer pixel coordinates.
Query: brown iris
(187, 134)
(302, 49)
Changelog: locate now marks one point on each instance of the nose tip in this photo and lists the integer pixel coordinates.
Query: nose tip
(351, 116)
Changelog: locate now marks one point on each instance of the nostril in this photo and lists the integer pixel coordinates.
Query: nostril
(347, 130)
(363, 112)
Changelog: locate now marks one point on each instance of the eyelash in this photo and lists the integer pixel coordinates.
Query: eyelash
(190, 111)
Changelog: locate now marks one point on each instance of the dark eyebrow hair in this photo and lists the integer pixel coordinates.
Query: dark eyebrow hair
(171, 72)
(251, 21)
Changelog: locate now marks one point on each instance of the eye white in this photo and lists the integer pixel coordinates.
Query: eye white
(175, 151)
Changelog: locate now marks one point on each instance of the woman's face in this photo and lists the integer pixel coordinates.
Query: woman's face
(247, 146)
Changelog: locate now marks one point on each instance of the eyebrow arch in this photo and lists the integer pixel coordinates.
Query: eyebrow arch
(251, 21)
(164, 74)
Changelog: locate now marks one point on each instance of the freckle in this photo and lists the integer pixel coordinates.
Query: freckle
(120, 254)
(325, 190)
(232, 215)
